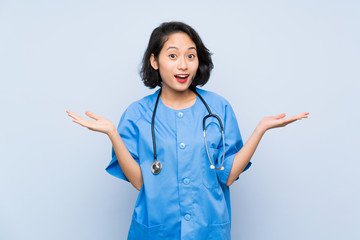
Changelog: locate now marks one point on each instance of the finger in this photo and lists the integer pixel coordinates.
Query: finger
(69, 112)
(73, 115)
(289, 120)
(84, 123)
(305, 114)
(92, 115)
(302, 115)
(78, 122)
(294, 118)
(279, 116)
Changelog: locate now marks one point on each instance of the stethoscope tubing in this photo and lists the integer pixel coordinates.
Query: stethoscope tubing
(156, 166)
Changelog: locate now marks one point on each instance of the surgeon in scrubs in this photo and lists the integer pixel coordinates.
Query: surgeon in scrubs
(185, 195)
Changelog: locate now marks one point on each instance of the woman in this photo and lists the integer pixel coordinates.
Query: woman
(159, 147)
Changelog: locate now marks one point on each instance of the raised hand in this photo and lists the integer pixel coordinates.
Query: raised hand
(100, 124)
(279, 121)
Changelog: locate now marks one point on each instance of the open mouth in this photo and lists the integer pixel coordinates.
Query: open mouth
(182, 77)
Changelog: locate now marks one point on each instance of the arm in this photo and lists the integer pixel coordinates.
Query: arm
(242, 157)
(127, 163)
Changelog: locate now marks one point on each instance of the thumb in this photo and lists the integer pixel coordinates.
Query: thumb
(281, 115)
(92, 115)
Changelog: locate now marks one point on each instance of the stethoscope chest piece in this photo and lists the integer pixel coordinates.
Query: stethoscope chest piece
(156, 167)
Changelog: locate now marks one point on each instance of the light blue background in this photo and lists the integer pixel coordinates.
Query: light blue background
(270, 57)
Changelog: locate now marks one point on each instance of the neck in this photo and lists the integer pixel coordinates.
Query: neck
(177, 99)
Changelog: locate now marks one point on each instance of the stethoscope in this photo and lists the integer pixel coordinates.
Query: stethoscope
(156, 165)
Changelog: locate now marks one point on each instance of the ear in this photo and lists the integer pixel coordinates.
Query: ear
(154, 63)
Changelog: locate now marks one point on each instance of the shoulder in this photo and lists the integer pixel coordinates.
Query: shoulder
(141, 107)
(216, 102)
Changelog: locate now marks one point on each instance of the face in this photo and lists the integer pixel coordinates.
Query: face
(177, 62)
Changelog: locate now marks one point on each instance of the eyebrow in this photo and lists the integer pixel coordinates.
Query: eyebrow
(172, 47)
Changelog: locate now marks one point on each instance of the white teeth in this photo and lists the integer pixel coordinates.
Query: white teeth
(182, 75)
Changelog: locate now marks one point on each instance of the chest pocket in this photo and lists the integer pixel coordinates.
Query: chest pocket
(214, 144)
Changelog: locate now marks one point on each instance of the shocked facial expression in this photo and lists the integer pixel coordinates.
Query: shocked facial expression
(177, 62)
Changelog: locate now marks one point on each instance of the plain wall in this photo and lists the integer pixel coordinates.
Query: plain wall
(270, 57)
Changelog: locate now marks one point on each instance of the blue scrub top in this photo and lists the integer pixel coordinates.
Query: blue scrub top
(187, 199)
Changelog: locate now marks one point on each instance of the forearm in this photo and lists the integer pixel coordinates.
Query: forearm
(128, 165)
(242, 157)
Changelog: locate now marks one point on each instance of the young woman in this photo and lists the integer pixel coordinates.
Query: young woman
(181, 146)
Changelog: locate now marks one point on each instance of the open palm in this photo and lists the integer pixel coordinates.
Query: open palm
(100, 124)
(280, 121)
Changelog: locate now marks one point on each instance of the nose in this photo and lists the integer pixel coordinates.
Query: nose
(182, 65)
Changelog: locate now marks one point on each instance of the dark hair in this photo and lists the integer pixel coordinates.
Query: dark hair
(159, 36)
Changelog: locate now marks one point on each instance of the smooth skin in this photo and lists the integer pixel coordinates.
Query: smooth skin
(178, 56)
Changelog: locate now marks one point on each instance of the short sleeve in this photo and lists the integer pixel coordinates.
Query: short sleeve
(129, 133)
(233, 143)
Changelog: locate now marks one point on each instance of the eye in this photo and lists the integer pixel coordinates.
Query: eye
(172, 56)
(191, 56)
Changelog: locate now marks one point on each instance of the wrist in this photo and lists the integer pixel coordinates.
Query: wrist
(113, 132)
(260, 129)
